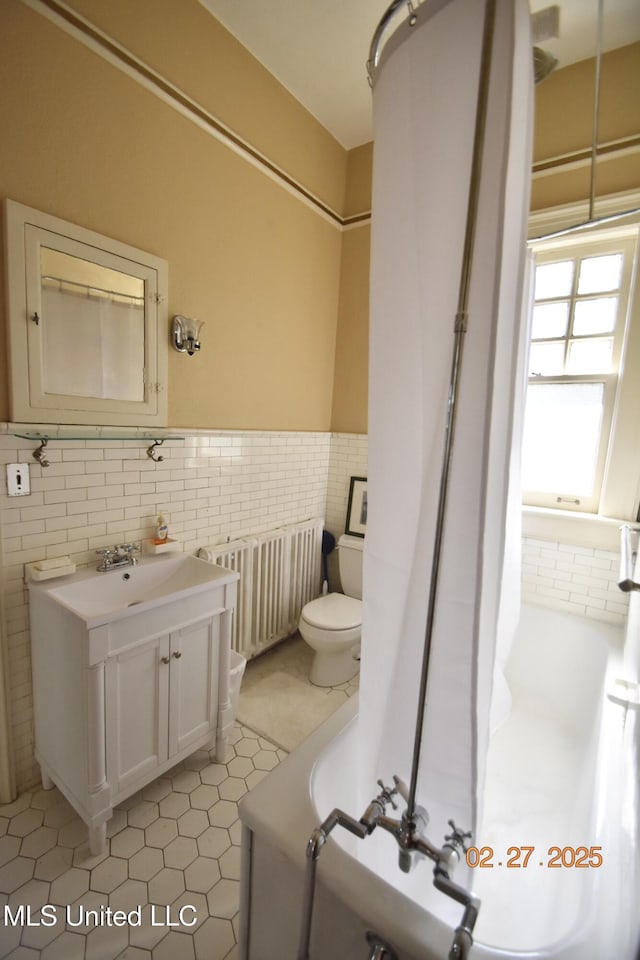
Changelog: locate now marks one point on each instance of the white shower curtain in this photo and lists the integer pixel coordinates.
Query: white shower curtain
(424, 114)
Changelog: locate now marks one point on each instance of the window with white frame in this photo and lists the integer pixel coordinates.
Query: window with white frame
(581, 298)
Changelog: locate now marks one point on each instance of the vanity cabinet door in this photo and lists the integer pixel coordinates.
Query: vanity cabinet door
(137, 706)
(193, 695)
(161, 699)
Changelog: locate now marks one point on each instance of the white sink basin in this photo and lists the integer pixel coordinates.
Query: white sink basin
(101, 597)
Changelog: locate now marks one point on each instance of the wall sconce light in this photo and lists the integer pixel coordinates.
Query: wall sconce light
(186, 333)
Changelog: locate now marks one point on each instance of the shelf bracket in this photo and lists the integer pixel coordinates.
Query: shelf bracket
(151, 451)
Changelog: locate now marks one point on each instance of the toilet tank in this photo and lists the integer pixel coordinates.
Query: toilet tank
(350, 565)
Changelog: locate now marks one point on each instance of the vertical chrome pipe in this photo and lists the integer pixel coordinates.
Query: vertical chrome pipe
(596, 110)
(459, 330)
(315, 844)
(307, 907)
(379, 949)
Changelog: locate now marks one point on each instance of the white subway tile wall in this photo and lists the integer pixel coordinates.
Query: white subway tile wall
(210, 486)
(348, 458)
(581, 580)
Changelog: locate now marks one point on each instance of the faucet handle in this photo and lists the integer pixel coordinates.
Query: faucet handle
(106, 552)
(456, 840)
(128, 548)
(387, 794)
(401, 788)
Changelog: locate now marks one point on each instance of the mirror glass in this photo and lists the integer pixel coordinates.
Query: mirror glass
(91, 311)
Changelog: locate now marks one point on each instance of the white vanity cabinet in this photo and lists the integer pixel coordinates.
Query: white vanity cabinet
(121, 701)
(164, 700)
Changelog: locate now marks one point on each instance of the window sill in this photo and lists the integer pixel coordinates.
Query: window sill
(580, 529)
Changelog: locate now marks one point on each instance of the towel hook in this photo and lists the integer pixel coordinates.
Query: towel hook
(151, 451)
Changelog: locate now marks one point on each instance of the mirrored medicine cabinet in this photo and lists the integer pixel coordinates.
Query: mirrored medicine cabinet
(86, 324)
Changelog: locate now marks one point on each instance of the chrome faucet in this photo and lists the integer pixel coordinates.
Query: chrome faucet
(120, 555)
(409, 832)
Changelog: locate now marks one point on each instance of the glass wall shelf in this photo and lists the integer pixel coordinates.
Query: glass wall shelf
(74, 432)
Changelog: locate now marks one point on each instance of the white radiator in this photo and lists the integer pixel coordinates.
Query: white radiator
(279, 573)
(237, 556)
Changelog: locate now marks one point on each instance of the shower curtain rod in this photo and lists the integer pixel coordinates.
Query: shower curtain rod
(596, 109)
(376, 41)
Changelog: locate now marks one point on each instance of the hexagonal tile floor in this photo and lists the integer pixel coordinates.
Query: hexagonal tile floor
(173, 855)
(173, 850)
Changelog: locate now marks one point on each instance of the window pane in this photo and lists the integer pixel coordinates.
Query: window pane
(590, 356)
(595, 316)
(600, 273)
(550, 320)
(546, 359)
(561, 434)
(554, 280)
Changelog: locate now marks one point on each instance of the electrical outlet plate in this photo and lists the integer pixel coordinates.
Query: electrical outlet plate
(18, 480)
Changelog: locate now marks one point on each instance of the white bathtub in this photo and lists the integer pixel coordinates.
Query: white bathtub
(562, 771)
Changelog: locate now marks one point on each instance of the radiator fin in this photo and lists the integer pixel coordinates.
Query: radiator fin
(237, 556)
(279, 573)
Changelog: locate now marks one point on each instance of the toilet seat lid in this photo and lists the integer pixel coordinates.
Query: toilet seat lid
(334, 611)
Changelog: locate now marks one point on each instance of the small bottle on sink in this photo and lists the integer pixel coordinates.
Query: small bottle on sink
(162, 531)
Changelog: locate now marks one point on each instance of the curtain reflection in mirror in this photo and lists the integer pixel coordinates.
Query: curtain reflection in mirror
(93, 329)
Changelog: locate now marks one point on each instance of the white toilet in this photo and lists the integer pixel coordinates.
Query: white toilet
(332, 624)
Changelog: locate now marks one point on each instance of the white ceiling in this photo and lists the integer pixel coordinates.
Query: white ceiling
(318, 48)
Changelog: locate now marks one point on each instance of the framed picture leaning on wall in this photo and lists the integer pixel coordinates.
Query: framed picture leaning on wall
(356, 524)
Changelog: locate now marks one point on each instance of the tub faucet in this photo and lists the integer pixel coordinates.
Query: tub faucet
(407, 831)
(410, 834)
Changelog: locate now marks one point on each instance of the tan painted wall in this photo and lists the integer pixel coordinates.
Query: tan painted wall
(83, 141)
(563, 124)
(183, 42)
(352, 344)
(358, 186)
(284, 295)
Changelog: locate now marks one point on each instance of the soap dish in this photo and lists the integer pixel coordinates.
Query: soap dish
(32, 571)
(164, 546)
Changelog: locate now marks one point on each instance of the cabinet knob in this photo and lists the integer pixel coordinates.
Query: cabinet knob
(164, 659)
(177, 654)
